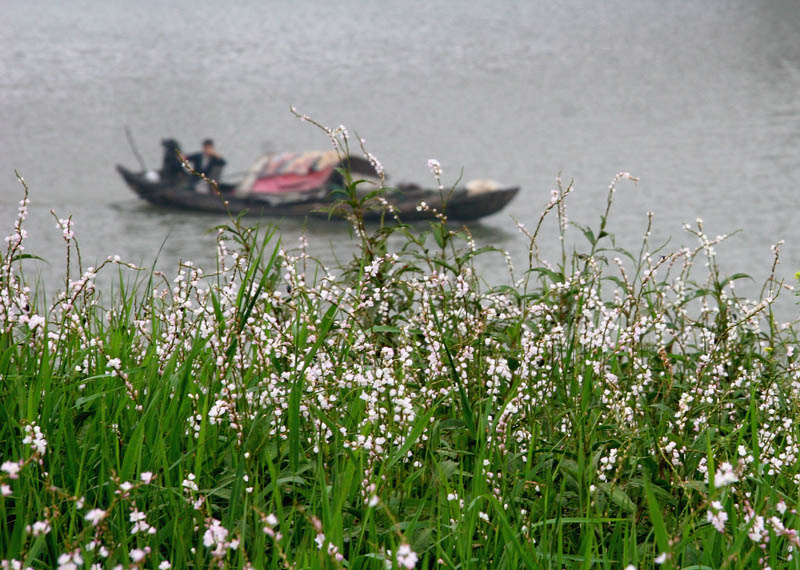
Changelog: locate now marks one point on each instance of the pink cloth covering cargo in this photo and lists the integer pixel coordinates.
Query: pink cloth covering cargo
(289, 172)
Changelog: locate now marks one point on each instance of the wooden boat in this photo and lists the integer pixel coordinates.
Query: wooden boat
(303, 184)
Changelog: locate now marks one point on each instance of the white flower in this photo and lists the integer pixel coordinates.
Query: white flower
(147, 477)
(725, 475)
(216, 534)
(12, 468)
(40, 527)
(95, 516)
(189, 483)
(661, 558)
(35, 321)
(272, 520)
(70, 560)
(34, 437)
(137, 554)
(165, 565)
(717, 519)
(65, 225)
(5, 490)
(140, 524)
(758, 531)
(406, 557)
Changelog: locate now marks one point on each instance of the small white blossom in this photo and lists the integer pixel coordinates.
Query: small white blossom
(725, 475)
(35, 438)
(717, 519)
(138, 554)
(216, 536)
(406, 557)
(39, 528)
(70, 560)
(95, 516)
(12, 468)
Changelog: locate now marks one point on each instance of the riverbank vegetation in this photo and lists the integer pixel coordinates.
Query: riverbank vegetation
(608, 410)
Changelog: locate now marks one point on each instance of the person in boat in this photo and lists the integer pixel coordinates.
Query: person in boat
(207, 162)
(171, 165)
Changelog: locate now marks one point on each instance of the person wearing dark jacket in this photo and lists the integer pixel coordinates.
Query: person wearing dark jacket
(171, 166)
(207, 162)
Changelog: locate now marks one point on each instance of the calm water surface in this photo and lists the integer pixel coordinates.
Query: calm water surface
(701, 100)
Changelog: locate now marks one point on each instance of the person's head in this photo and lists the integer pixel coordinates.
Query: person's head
(208, 146)
(170, 145)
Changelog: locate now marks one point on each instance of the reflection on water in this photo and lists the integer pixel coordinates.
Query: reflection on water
(698, 99)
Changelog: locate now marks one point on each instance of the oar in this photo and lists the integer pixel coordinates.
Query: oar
(133, 148)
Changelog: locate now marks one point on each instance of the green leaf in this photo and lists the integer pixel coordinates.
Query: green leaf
(438, 230)
(469, 417)
(734, 277)
(297, 389)
(618, 497)
(654, 509)
(511, 535)
(386, 329)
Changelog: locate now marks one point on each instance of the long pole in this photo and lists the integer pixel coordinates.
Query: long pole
(133, 147)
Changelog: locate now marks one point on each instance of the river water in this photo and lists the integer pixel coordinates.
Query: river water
(701, 100)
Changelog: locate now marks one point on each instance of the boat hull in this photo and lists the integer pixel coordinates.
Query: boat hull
(460, 204)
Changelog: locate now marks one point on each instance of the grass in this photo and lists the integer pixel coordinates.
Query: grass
(613, 410)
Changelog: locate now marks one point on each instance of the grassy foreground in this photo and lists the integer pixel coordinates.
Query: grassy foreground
(608, 411)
